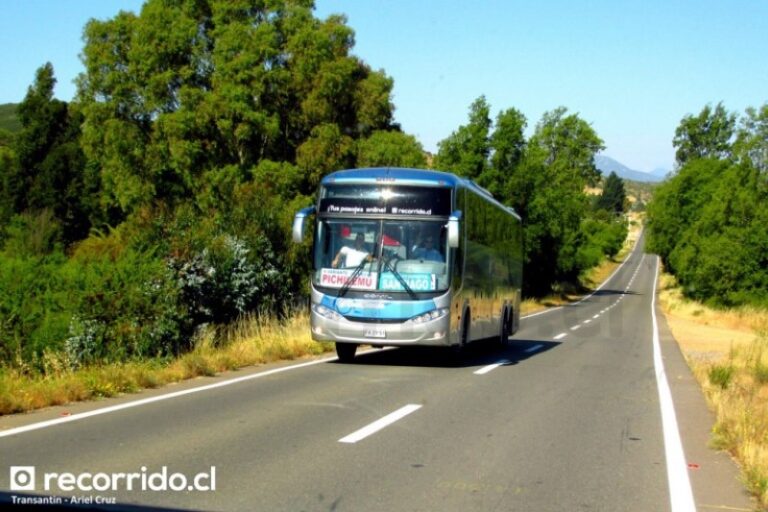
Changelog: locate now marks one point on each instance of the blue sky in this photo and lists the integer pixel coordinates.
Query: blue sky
(632, 69)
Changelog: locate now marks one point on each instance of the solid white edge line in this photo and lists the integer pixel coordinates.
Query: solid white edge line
(680, 493)
(159, 398)
(490, 367)
(379, 424)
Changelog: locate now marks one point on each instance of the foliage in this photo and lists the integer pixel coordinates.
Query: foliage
(466, 151)
(709, 221)
(9, 118)
(543, 178)
(190, 89)
(390, 149)
(707, 135)
(46, 169)
(614, 197)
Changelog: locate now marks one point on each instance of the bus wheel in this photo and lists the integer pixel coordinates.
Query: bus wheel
(459, 351)
(506, 327)
(346, 351)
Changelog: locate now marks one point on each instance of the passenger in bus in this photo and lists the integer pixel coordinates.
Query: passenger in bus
(353, 256)
(427, 251)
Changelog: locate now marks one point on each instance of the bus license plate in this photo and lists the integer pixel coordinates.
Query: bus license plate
(375, 332)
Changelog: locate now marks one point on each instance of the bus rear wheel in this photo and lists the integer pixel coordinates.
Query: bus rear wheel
(346, 351)
(506, 327)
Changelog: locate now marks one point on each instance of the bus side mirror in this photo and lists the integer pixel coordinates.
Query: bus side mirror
(299, 223)
(453, 229)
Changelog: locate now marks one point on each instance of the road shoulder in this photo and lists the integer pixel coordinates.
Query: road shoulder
(713, 474)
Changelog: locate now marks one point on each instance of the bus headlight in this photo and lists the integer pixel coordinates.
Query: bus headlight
(429, 316)
(326, 312)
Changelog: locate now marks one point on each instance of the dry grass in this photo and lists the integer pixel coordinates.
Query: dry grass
(251, 341)
(727, 351)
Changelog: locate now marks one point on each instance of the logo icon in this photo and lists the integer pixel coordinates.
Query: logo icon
(22, 478)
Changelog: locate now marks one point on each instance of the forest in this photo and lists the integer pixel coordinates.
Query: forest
(160, 199)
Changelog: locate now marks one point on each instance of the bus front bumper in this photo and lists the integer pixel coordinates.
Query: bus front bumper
(430, 333)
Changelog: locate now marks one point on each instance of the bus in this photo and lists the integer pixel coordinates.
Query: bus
(410, 257)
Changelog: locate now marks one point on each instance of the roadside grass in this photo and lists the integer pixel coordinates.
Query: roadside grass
(250, 341)
(727, 350)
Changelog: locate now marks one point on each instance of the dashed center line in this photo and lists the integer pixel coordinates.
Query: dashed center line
(559, 336)
(490, 367)
(379, 424)
(533, 349)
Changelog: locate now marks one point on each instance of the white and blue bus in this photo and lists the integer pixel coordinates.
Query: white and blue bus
(406, 257)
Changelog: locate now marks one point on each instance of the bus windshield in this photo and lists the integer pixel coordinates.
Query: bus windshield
(381, 255)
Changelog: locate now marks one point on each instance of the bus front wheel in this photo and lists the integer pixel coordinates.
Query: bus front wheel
(346, 351)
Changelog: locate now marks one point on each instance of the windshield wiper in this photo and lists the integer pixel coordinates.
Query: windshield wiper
(344, 289)
(400, 278)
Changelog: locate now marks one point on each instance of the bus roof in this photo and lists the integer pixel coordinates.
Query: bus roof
(407, 176)
(394, 175)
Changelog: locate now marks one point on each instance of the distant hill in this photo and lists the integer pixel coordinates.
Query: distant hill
(607, 164)
(9, 120)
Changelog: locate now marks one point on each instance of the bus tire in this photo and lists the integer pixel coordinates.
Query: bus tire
(506, 327)
(346, 351)
(458, 351)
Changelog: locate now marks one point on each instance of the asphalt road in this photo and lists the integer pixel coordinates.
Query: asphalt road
(567, 418)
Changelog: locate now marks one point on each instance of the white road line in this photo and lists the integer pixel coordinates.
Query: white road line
(559, 336)
(631, 253)
(533, 349)
(587, 321)
(575, 327)
(159, 398)
(379, 424)
(596, 316)
(490, 367)
(680, 493)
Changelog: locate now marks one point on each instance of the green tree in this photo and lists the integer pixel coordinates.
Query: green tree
(707, 135)
(751, 144)
(466, 151)
(507, 149)
(48, 171)
(557, 165)
(708, 222)
(614, 196)
(390, 149)
(190, 87)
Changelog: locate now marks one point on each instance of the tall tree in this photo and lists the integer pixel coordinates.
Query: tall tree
(614, 196)
(49, 171)
(751, 144)
(191, 86)
(707, 135)
(558, 163)
(466, 150)
(507, 149)
(390, 149)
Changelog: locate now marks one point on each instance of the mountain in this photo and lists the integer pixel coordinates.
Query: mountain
(607, 164)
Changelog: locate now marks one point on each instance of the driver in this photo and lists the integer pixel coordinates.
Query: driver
(353, 256)
(427, 250)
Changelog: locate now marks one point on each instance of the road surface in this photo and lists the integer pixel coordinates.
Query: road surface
(567, 418)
